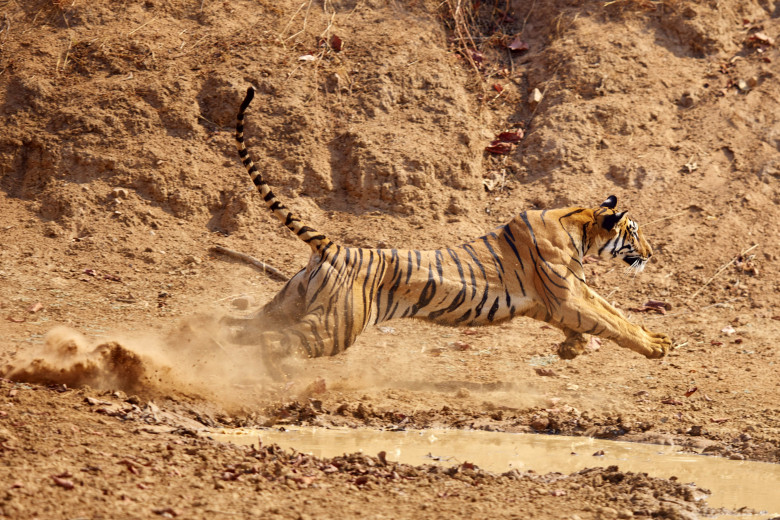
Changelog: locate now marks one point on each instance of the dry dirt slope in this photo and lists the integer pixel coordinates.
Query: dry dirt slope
(119, 173)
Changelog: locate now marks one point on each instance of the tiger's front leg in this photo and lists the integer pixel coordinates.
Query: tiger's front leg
(589, 313)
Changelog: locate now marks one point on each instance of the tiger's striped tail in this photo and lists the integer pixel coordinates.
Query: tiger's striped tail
(316, 240)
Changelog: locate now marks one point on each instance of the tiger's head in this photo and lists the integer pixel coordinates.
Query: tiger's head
(617, 236)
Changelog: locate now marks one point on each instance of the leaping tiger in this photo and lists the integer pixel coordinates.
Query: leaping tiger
(531, 266)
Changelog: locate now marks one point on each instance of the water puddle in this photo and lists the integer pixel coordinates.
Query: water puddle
(733, 483)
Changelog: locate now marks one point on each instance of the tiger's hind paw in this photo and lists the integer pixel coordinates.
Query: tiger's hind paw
(571, 347)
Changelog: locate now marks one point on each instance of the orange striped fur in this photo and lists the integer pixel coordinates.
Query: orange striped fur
(531, 266)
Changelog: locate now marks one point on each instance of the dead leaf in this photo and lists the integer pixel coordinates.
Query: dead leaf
(498, 88)
(671, 401)
(63, 482)
(15, 320)
(719, 420)
(653, 306)
(510, 137)
(593, 344)
(760, 38)
(168, 511)
(691, 391)
(336, 43)
(499, 148)
(660, 304)
(545, 372)
(517, 45)
(460, 345)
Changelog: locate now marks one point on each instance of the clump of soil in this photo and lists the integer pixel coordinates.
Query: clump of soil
(65, 358)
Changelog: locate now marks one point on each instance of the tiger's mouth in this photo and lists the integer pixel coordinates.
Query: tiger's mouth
(635, 261)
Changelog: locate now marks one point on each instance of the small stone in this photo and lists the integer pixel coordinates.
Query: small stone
(119, 193)
(540, 423)
(687, 100)
(192, 259)
(536, 97)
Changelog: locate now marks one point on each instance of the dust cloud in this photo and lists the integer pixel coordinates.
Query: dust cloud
(196, 358)
(193, 358)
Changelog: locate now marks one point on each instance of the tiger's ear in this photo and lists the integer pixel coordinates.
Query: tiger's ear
(610, 221)
(610, 203)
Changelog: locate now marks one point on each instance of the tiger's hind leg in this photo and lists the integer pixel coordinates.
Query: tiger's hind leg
(285, 308)
(306, 338)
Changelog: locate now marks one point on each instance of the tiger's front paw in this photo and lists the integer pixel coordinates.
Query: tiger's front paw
(658, 345)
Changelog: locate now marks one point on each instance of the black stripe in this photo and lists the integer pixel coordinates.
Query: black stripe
(426, 295)
(473, 282)
(539, 253)
(396, 278)
(250, 93)
(509, 239)
(464, 317)
(493, 310)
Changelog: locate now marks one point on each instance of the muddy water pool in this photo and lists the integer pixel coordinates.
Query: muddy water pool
(733, 483)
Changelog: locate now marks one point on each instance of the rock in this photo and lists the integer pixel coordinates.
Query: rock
(687, 100)
(536, 97)
(119, 193)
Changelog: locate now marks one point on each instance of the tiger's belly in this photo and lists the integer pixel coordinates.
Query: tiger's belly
(492, 309)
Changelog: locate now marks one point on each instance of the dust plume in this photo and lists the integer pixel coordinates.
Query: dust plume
(190, 359)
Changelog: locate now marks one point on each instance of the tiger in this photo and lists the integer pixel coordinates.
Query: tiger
(531, 266)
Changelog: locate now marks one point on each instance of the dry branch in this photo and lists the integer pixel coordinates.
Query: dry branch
(720, 270)
(272, 271)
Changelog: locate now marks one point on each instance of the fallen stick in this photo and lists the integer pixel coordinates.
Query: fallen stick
(272, 271)
(719, 271)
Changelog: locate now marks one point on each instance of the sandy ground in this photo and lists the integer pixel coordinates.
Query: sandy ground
(119, 175)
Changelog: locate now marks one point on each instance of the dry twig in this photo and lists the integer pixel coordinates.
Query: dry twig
(272, 271)
(720, 270)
